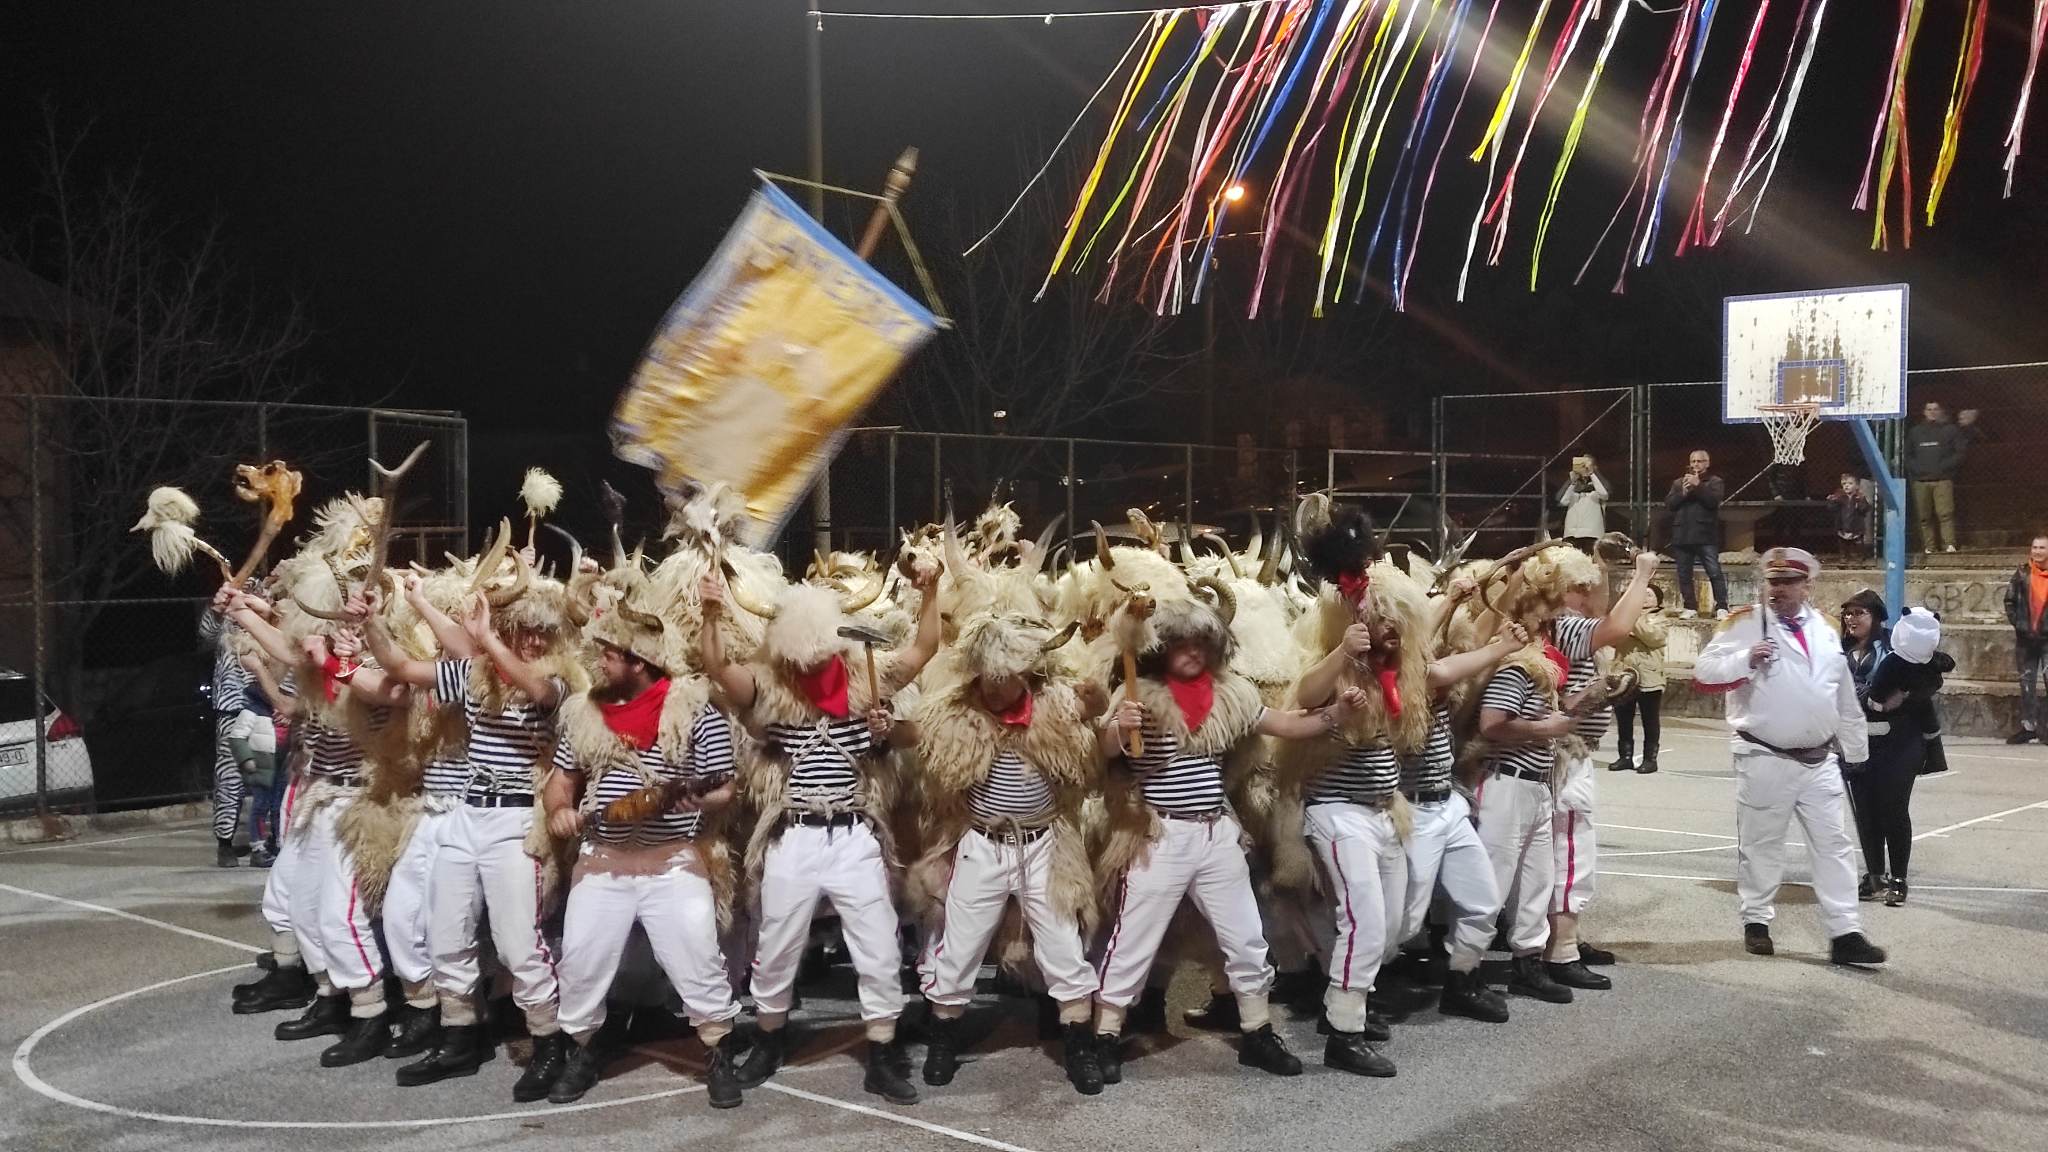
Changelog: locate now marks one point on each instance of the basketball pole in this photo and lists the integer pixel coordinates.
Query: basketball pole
(1894, 492)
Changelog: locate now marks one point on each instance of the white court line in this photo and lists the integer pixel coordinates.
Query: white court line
(168, 927)
(894, 1118)
(1947, 828)
(1606, 854)
(1665, 831)
(1805, 884)
(83, 843)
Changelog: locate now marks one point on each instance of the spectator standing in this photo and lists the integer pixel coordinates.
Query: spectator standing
(1897, 675)
(1852, 518)
(2026, 595)
(1584, 500)
(1643, 654)
(1934, 452)
(1695, 504)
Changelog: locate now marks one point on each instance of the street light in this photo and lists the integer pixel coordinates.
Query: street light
(1234, 193)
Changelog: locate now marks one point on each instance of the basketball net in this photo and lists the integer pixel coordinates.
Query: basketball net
(1789, 426)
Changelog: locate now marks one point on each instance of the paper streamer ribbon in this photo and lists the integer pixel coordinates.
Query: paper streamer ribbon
(1571, 138)
(1692, 75)
(2019, 112)
(1747, 168)
(1403, 183)
(1504, 203)
(1656, 104)
(1501, 110)
(1968, 59)
(1695, 230)
(1429, 184)
(1379, 129)
(1891, 128)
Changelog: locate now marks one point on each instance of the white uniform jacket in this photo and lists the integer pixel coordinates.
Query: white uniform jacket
(1802, 698)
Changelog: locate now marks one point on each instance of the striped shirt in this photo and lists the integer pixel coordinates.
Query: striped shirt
(1364, 774)
(1511, 691)
(1010, 791)
(1574, 635)
(824, 760)
(446, 777)
(1191, 784)
(504, 745)
(711, 754)
(331, 753)
(1431, 771)
(230, 679)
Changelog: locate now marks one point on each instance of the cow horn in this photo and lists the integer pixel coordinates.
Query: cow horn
(638, 618)
(1060, 638)
(1229, 554)
(852, 602)
(954, 551)
(1102, 555)
(1258, 545)
(493, 557)
(1269, 566)
(744, 600)
(522, 575)
(1042, 549)
(1226, 600)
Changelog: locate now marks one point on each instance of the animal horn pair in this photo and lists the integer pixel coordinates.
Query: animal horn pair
(1226, 600)
(1229, 555)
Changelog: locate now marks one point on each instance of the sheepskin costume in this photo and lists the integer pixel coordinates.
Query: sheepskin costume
(1545, 578)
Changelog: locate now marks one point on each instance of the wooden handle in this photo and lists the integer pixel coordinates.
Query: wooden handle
(874, 685)
(532, 523)
(1134, 743)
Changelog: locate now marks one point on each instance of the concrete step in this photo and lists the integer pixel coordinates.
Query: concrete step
(1957, 593)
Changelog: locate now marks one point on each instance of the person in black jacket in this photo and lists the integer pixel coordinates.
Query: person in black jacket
(1934, 452)
(2026, 609)
(1897, 674)
(1695, 503)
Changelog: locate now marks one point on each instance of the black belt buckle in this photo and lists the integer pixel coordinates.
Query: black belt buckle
(823, 819)
(1209, 817)
(499, 799)
(1434, 796)
(1014, 834)
(1539, 775)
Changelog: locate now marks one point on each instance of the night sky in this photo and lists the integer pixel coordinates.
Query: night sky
(487, 205)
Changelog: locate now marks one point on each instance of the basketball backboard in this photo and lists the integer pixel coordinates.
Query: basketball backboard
(1842, 348)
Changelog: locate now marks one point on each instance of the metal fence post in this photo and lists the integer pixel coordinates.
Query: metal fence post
(262, 433)
(36, 597)
(1436, 448)
(1187, 490)
(1072, 481)
(938, 481)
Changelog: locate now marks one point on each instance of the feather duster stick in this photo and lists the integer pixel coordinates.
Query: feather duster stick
(540, 493)
(168, 520)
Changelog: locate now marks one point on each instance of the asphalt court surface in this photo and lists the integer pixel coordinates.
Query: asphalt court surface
(117, 953)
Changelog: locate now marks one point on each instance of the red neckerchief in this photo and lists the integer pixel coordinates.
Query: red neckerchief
(1195, 697)
(1564, 666)
(637, 721)
(1390, 690)
(1352, 585)
(1018, 715)
(330, 677)
(825, 688)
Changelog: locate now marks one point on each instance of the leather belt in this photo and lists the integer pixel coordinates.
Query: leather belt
(1539, 775)
(1209, 817)
(822, 819)
(1430, 796)
(1383, 800)
(1811, 757)
(499, 799)
(1013, 833)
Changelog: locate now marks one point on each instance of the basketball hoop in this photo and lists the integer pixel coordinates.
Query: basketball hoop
(1789, 426)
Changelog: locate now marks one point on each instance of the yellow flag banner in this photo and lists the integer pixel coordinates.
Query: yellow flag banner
(756, 371)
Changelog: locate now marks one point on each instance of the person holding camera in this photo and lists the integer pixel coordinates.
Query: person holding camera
(1584, 500)
(1695, 504)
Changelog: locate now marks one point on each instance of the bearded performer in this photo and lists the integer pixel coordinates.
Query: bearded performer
(645, 761)
(493, 855)
(1008, 756)
(823, 792)
(1173, 834)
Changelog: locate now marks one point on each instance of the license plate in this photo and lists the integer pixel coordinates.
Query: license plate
(13, 756)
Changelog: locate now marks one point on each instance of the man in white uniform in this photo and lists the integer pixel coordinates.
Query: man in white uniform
(1791, 702)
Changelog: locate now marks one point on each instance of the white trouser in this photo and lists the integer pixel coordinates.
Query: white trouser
(843, 865)
(1769, 790)
(277, 887)
(1444, 850)
(1203, 859)
(1514, 824)
(986, 873)
(1367, 871)
(675, 907)
(482, 864)
(406, 904)
(1574, 852)
(336, 938)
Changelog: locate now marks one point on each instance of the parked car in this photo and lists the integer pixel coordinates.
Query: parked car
(68, 765)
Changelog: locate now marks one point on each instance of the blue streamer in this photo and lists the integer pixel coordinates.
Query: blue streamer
(1699, 48)
(1404, 172)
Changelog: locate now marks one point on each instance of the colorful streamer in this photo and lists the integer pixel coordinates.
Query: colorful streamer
(1428, 185)
(1695, 230)
(1567, 43)
(2019, 112)
(1968, 59)
(1777, 149)
(1500, 113)
(1891, 126)
(1571, 138)
(1692, 73)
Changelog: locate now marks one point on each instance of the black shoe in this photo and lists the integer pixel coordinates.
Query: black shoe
(1756, 940)
(1219, 1015)
(1896, 895)
(267, 961)
(1349, 1052)
(279, 988)
(1528, 976)
(543, 1068)
(1870, 887)
(1465, 994)
(721, 1076)
(1577, 975)
(1626, 762)
(261, 857)
(365, 1039)
(1109, 1056)
(327, 1016)
(1649, 764)
(884, 1080)
(1148, 1016)
(941, 1051)
(418, 1030)
(764, 1058)
(1377, 1030)
(580, 1073)
(1263, 1049)
(458, 1053)
(1597, 957)
(1853, 948)
(224, 854)
(2022, 736)
(1082, 1058)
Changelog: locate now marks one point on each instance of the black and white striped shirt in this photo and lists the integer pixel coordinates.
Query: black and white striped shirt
(1510, 690)
(710, 754)
(505, 745)
(230, 679)
(331, 753)
(1574, 638)
(1364, 774)
(1431, 770)
(824, 760)
(1191, 784)
(1010, 791)
(446, 777)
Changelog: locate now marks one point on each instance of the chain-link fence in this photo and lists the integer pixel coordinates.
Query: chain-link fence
(103, 676)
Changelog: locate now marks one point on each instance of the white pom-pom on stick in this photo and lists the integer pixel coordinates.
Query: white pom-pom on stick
(168, 518)
(540, 493)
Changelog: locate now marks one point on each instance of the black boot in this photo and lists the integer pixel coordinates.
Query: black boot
(418, 1029)
(543, 1068)
(1109, 1056)
(580, 1073)
(1148, 1016)
(1577, 975)
(224, 854)
(1756, 940)
(1528, 977)
(1625, 761)
(1263, 1049)
(365, 1039)
(1853, 948)
(884, 1080)
(764, 1058)
(941, 1050)
(1349, 1052)
(280, 988)
(721, 1076)
(1082, 1058)
(327, 1016)
(1870, 887)
(1466, 995)
(1596, 957)
(1649, 765)
(1896, 894)
(457, 1053)
(1219, 1015)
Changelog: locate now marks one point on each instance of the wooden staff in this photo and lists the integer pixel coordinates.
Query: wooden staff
(1140, 608)
(899, 182)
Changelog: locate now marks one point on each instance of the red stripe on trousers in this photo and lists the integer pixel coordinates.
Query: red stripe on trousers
(1116, 928)
(357, 937)
(1350, 945)
(1571, 857)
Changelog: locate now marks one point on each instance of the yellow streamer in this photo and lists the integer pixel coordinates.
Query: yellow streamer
(1967, 59)
(1495, 126)
(1896, 127)
(1571, 139)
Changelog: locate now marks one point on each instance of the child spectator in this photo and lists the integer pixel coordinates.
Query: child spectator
(1643, 654)
(1852, 518)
